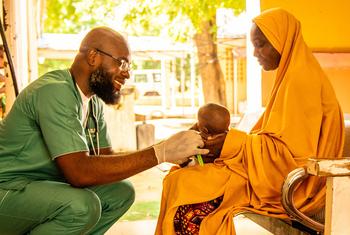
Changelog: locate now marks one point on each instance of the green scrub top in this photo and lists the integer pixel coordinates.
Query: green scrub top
(46, 122)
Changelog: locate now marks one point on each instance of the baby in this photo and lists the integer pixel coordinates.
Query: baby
(212, 119)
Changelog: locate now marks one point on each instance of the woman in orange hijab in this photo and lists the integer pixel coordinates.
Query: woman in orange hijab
(302, 119)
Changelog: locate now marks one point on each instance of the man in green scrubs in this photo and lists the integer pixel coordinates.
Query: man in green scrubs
(58, 173)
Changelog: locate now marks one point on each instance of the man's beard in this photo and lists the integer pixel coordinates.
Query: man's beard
(101, 84)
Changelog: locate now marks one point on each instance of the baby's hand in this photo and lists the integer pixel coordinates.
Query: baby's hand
(190, 162)
(184, 164)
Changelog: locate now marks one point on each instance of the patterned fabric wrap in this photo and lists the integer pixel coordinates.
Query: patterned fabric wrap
(189, 217)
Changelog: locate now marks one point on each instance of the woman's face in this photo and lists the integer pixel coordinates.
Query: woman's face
(267, 55)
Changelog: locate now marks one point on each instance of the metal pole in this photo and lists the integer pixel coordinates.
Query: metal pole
(9, 59)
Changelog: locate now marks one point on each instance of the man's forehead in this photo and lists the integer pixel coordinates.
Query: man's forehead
(117, 49)
(123, 53)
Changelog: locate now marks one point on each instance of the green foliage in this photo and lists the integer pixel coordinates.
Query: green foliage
(74, 16)
(140, 16)
(183, 17)
(146, 64)
(177, 18)
(200, 10)
(151, 64)
(50, 65)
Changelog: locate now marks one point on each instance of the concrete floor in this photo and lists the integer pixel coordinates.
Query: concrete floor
(243, 225)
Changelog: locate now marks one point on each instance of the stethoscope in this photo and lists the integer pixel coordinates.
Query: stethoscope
(95, 128)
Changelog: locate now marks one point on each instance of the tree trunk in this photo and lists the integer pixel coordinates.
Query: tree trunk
(209, 66)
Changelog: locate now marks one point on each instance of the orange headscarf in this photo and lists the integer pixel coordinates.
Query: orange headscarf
(302, 119)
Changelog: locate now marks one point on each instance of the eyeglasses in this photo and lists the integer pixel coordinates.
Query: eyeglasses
(124, 65)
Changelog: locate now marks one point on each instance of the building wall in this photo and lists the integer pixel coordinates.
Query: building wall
(325, 29)
(325, 24)
(337, 68)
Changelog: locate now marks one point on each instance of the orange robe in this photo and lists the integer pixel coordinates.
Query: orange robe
(302, 120)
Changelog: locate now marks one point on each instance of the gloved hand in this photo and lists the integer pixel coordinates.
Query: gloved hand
(179, 147)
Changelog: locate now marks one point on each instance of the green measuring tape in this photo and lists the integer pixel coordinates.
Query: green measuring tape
(200, 160)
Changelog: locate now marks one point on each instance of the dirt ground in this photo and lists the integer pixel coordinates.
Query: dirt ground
(148, 184)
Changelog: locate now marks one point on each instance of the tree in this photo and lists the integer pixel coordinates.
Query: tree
(74, 16)
(202, 16)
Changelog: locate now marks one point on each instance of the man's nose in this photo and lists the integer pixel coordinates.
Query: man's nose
(126, 74)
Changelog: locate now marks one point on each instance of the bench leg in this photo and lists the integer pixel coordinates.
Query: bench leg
(337, 205)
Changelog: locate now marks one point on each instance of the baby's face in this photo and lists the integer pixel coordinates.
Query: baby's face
(202, 127)
(211, 128)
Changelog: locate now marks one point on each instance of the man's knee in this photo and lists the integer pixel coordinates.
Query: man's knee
(86, 208)
(78, 213)
(121, 195)
(127, 192)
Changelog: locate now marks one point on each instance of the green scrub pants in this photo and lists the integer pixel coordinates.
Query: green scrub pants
(49, 208)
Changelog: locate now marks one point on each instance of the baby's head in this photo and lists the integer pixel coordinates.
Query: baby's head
(213, 119)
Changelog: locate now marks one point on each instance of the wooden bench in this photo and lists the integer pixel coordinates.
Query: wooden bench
(330, 220)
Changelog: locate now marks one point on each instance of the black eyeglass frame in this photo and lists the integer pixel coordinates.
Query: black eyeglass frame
(124, 64)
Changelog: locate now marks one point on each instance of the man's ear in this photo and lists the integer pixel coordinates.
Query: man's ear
(93, 58)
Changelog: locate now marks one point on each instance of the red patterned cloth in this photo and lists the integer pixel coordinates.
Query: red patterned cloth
(189, 217)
